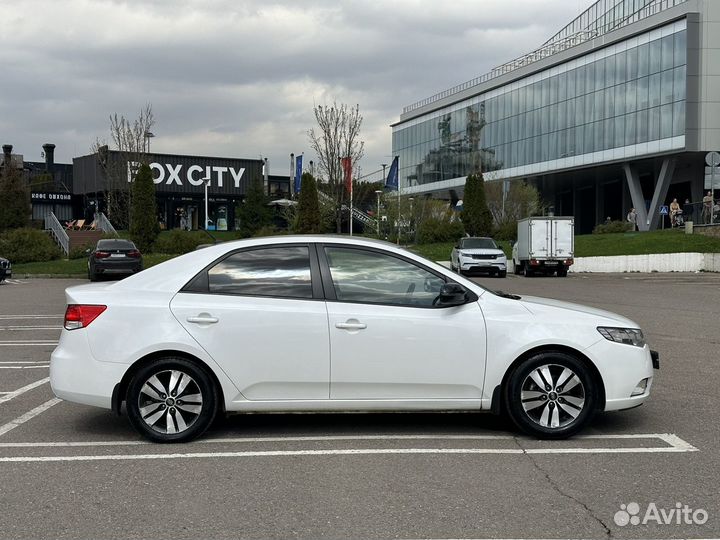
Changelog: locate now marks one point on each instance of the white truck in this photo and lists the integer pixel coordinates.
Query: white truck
(545, 245)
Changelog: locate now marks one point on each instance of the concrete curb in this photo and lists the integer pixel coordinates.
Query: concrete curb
(665, 262)
(49, 276)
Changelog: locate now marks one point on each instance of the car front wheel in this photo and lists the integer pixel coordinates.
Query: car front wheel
(171, 400)
(551, 395)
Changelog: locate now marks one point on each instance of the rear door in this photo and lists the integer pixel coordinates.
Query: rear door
(563, 237)
(260, 314)
(540, 233)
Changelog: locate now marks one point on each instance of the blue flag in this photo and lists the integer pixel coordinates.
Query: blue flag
(391, 182)
(298, 173)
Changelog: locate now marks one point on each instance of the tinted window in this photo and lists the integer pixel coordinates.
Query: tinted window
(115, 244)
(277, 271)
(376, 278)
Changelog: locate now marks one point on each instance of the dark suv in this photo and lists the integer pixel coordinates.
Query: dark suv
(114, 256)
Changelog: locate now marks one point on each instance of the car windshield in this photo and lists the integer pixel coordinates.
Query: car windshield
(478, 243)
(115, 244)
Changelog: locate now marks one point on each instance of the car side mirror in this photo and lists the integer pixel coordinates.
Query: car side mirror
(451, 294)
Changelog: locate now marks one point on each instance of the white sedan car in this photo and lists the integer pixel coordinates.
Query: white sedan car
(314, 323)
(478, 254)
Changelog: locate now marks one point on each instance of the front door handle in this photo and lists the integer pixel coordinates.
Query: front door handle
(351, 324)
(203, 318)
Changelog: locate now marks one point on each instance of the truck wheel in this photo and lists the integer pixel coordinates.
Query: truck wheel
(527, 271)
(562, 272)
(517, 268)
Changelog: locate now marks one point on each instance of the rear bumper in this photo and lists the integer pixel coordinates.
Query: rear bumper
(121, 267)
(76, 376)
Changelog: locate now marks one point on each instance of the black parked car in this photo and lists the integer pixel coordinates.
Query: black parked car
(5, 269)
(114, 257)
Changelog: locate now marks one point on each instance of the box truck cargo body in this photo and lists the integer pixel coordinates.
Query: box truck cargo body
(544, 245)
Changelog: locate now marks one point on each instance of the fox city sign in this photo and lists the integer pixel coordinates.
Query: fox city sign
(195, 175)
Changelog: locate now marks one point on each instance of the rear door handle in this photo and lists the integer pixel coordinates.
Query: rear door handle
(351, 325)
(203, 319)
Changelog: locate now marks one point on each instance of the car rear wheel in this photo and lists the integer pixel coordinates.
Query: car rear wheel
(171, 400)
(551, 395)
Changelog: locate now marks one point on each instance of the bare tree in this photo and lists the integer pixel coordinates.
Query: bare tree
(129, 140)
(337, 136)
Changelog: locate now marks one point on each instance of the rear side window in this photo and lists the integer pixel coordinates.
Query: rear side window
(280, 271)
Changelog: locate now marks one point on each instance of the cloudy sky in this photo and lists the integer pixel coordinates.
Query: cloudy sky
(239, 78)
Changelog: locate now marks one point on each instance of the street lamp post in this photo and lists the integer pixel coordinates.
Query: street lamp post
(148, 135)
(410, 221)
(378, 192)
(207, 183)
(383, 178)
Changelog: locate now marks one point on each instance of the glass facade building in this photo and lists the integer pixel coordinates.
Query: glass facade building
(624, 100)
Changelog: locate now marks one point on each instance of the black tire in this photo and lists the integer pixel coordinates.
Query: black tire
(502, 273)
(173, 420)
(562, 272)
(571, 408)
(517, 269)
(527, 272)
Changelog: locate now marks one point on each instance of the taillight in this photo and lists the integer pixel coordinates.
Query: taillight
(101, 254)
(81, 315)
(135, 254)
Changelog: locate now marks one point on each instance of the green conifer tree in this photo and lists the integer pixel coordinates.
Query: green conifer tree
(476, 216)
(253, 213)
(14, 199)
(144, 226)
(308, 220)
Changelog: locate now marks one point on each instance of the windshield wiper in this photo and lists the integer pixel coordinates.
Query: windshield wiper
(507, 295)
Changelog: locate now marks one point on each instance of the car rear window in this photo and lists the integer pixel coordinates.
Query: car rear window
(115, 244)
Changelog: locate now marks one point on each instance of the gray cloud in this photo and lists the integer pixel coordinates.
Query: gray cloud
(239, 78)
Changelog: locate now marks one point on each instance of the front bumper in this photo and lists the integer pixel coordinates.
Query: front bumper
(623, 368)
(483, 265)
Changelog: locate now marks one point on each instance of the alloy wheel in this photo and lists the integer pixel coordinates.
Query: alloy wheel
(170, 401)
(552, 396)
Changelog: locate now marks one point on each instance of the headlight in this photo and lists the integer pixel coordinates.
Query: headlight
(628, 336)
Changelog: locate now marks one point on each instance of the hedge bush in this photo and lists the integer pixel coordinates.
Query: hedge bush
(28, 245)
(433, 230)
(613, 227)
(177, 242)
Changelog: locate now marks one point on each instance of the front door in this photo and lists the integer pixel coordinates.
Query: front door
(388, 340)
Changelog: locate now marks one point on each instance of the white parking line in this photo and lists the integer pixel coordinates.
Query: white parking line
(12, 424)
(28, 343)
(25, 367)
(23, 362)
(670, 438)
(20, 391)
(21, 328)
(675, 443)
(13, 317)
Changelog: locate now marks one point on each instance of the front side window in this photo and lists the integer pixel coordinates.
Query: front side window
(376, 278)
(277, 271)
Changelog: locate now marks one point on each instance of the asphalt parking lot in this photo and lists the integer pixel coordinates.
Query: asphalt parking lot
(68, 471)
